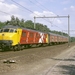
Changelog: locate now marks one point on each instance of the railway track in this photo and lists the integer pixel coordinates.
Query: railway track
(34, 51)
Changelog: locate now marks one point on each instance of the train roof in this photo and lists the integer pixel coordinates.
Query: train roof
(11, 26)
(16, 27)
(57, 34)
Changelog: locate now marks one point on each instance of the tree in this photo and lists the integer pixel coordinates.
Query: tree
(13, 20)
(46, 29)
(39, 26)
(22, 23)
(72, 39)
(29, 24)
(2, 24)
(17, 21)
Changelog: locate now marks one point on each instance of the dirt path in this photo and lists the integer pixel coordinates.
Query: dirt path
(31, 61)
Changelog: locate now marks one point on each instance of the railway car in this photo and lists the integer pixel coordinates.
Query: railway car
(57, 39)
(17, 38)
(53, 38)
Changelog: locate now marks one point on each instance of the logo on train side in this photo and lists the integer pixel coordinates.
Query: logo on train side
(41, 39)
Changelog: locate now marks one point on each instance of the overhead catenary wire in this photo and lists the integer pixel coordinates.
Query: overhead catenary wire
(36, 5)
(28, 9)
(11, 14)
(8, 13)
(33, 12)
(44, 8)
(5, 12)
(42, 5)
(40, 8)
(48, 10)
(22, 6)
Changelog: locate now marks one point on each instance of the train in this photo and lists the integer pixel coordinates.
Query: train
(17, 38)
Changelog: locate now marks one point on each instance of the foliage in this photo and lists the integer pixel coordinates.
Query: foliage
(13, 21)
(2, 24)
(58, 32)
(72, 39)
(29, 24)
(22, 22)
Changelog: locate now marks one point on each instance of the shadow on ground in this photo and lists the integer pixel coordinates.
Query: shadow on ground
(67, 69)
(70, 59)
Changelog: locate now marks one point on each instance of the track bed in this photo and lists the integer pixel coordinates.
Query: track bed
(29, 58)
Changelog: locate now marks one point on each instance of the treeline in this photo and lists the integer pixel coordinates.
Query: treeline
(29, 24)
(72, 39)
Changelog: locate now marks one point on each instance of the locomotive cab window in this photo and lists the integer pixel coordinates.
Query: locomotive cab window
(0, 30)
(6, 30)
(13, 30)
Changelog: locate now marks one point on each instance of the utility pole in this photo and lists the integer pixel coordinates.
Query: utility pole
(68, 30)
(57, 17)
(34, 22)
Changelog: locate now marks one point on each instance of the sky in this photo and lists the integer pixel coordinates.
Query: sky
(27, 9)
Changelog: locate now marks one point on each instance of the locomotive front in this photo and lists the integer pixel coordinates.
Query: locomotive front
(6, 37)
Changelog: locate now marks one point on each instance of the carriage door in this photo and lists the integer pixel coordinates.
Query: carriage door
(48, 38)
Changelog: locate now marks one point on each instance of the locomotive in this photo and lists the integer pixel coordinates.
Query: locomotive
(17, 38)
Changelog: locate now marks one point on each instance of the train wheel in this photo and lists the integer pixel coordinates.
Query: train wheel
(3, 49)
(22, 47)
(11, 48)
(15, 48)
(19, 47)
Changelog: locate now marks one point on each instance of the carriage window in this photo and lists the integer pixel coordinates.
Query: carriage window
(31, 34)
(37, 35)
(24, 34)
(52, 38)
